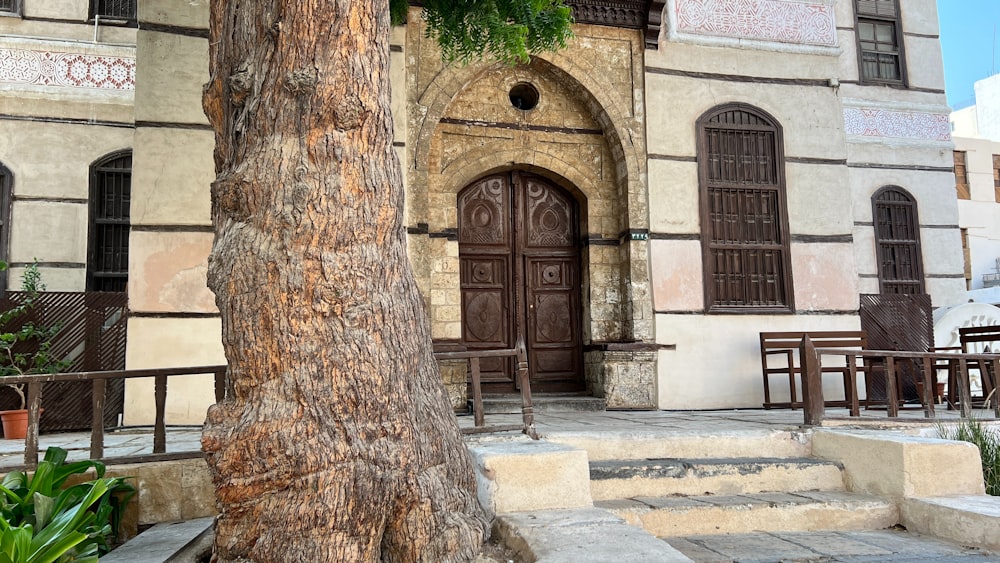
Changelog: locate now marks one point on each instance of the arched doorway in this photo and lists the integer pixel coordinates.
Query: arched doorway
(519, 257)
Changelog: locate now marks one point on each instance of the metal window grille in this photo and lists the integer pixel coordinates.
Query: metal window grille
(961, 176)
(6, 192)
(115, 9)
(111, 191)
(10, 7)
(897, 242)
(743, 199)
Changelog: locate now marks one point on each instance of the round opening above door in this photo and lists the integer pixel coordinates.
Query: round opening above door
(523, 96)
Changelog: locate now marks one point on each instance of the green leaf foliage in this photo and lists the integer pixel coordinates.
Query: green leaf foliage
(44, 521)
(987, 439)
(507, 30)
(35, 356)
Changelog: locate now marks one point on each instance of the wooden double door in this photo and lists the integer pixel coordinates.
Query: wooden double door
(520, 274)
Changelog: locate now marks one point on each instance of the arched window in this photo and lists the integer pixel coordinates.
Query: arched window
(110, 196)
(6, 196)
(744, 222)
(897, 241)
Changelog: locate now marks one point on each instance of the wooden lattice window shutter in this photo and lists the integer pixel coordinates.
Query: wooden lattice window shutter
(996, 177)
(962, 176)
(897, 242)
(744, 221)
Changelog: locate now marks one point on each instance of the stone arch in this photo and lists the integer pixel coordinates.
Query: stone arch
(593, 88)
(567, 176)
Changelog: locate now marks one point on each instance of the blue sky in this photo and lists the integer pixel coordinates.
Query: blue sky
(967, 40)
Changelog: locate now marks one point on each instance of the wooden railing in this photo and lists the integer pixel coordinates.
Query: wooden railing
(527, 408)
(927, 364)
(99, 380)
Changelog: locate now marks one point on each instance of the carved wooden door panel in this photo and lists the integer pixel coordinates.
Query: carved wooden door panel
(520, 264)
(551, 261)
(485, 246)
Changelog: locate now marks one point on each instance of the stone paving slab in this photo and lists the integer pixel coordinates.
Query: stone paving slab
(581, 536)
(163, 542)
(883, 546)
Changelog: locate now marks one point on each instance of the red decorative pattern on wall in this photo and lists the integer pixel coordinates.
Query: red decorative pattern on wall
(73, 70)
(869, 122)
(785, 21)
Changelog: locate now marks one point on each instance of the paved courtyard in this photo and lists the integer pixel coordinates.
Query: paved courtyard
(139, 440)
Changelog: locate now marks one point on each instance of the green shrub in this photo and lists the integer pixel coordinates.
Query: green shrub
(43, 522)
(40, 359)
(975, 432)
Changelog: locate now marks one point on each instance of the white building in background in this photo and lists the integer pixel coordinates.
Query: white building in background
(976, 133)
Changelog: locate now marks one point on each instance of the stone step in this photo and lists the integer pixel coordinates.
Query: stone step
(548, 403)
(870, 546)
(173, 542)
(670, 516)
(584, 535)
(603, 444)
(729, 476)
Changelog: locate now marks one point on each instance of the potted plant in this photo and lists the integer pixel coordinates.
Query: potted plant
(18, 362)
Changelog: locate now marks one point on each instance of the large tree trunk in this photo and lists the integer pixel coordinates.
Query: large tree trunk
(337, 443)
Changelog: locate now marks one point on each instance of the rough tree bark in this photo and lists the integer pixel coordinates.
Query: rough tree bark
(337, 443)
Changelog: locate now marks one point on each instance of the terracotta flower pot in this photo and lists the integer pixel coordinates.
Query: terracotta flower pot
(15, 423)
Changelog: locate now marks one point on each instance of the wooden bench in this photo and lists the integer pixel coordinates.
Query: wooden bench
(977, 340)
(785, 345)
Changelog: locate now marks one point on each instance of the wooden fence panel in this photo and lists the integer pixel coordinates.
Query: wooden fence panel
(897, 322)
(92, 337)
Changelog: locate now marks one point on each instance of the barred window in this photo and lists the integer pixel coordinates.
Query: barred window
(110, 197)
(10, 7)
(961, 175)
(6, 196)
(897, 241)
(113, 9)
(744, 218)
(880, 52)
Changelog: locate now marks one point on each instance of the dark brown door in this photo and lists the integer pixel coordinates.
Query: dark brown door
(520, 275)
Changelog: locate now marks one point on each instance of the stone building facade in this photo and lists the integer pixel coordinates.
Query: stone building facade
(636, 207)
(67, 89)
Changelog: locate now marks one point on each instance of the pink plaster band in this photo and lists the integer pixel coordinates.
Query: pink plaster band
(866, 122)
(785, 21)
(73, 70)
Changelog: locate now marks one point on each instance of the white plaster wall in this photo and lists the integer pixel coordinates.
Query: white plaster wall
(716, 363)
(673, 197)
(809, 184)
(925, 66)
(154, 343)
(172, 172)
(824, 277)
(810, 116)
(194, 13)
(48, 231)
(170, 72)
(963, 123)
(981, 213)
(677, 280)
(988, 107)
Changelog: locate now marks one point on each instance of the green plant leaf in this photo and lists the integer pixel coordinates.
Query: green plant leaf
(44, 506)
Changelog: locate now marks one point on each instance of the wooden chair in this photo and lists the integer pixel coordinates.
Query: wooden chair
(775, 345)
